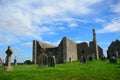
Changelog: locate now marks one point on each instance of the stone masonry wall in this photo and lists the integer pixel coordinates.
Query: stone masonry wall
(71, 51)
(83, 50)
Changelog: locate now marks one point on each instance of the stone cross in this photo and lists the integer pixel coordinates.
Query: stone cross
(8, 66)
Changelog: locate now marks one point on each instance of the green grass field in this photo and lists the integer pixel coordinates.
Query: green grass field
(93, 70)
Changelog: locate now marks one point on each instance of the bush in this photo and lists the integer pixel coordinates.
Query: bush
(28, 62)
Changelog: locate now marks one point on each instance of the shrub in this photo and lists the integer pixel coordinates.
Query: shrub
(28, 62)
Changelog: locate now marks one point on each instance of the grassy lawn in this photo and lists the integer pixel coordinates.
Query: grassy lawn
(93, 70)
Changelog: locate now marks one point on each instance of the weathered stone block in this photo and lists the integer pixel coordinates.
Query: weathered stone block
(113, 59)
(51, 61)
(43, 60)
(1, 63)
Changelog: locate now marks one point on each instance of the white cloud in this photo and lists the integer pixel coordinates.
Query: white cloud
(24, 19)
(113, 26)
(73, 25)
(53, 43)
(47, 10)
(56, 43)
(69, 20)
(52, 33)
(116, 8)
(78, 7)
(99, 20)
(78, 41)
(29, 44)
(8, 39)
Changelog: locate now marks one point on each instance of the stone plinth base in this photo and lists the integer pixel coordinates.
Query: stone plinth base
(8, 68)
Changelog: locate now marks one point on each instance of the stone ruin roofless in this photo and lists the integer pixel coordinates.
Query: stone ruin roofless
(114, 49)
(68, 50)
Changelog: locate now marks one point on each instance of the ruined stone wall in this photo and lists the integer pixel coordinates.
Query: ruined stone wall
(36, 51)
(92, 50)
(60, 53)
(100, 50)
(71, 51)
(82, 50)
(66, 51)
(53, 52)
(114, 49)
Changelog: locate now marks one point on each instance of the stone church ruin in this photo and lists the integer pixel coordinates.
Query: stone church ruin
(68, 50)
(114, 49)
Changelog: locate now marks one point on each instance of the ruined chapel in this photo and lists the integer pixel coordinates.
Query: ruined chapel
(114, 49)
(68, 50)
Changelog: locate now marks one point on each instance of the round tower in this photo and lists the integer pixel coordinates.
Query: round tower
(95, 43)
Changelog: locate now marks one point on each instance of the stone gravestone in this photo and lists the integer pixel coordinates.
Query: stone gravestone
(83, 59)
(51, 61)
(15, 61)
(1, 63)
(43, 58)
(70, 59)
(90, 58)
(113, 59)
(8, 66)
(103, 57)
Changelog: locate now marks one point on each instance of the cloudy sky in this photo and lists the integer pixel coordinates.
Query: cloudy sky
(22, 21)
